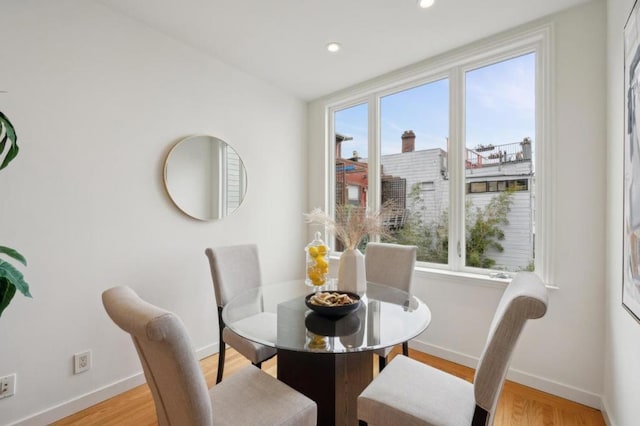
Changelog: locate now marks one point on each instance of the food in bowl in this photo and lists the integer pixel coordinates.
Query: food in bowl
(325, 298)
(333, 304)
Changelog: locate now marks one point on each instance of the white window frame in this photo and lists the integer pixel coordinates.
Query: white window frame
(453, 66)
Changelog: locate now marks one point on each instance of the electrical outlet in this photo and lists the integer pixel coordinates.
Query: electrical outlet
(7, 386)
(81, 362)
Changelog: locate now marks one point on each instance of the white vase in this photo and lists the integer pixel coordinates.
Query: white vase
(351, 272)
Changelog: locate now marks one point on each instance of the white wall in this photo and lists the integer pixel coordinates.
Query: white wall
(622, 369)
(97, 100)
(561, 353)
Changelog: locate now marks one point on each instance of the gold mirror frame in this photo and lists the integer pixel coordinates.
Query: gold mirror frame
(205, 177)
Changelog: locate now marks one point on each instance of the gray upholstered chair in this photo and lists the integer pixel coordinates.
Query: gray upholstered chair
(391, 265)
(249, 397)
(408, 392)
(235, 269)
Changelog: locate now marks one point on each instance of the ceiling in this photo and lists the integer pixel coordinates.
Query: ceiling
(283, 41)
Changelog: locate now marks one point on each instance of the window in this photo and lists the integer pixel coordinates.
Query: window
(351, 146)
(427, 186)
(475, 187)
(235, 181)
(500, 138)
(414, 131)
(460, 151)
(498, 185)
(353, 194)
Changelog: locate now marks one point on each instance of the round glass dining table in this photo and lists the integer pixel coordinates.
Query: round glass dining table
(329, 359)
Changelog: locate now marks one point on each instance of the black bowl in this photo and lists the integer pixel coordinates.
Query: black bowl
(334, 311)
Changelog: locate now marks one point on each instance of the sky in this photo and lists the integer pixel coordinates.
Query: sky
(500, 107)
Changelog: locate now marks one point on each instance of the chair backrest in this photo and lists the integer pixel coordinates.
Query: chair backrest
(233, 270)
(390, 264)
(165, 350)
(524, 298)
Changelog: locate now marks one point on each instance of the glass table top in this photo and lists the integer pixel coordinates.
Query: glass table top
(276, 315)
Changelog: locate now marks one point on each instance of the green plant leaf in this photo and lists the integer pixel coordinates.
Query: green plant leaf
(15, 277)
(7, 291)
(13, 254)
(10, 136)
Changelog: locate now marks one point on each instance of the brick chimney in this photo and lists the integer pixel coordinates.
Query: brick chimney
(408, 141)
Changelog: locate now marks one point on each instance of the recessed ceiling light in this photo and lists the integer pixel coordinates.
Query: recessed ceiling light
(333, 47)
(425, 3)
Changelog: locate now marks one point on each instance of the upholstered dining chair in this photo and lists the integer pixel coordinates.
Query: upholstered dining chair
(409, 392)
(235, 269)
(248, 397)
(391, 265)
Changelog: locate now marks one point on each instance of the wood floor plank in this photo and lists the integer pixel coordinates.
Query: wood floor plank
(519, 405)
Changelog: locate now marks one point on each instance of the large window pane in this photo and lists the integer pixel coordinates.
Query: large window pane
(499, 165)
(414, 129)
(351, 174)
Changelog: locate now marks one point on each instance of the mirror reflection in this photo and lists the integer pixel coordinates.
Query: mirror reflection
(205, 177)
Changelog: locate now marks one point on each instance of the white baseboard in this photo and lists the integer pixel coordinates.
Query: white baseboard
(81, 402)
(89, 399)
(541, 383)
(208, 350)
(605, 413)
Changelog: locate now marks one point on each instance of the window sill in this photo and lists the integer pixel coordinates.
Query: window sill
(466, 278)
(462, 277)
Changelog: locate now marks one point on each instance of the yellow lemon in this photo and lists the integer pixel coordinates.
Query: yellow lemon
(321, 262)
(317, 342)
(322, 249)
(313, 251)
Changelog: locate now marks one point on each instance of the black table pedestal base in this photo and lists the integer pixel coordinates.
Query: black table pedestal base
(333, 381)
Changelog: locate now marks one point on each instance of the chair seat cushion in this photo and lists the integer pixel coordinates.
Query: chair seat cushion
(408, 392)
(262, 325)
(252, 397)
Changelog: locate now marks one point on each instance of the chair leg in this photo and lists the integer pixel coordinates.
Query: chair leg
(382, 362)
(480, 417)
(405, 348)
(223, 347)
(221, 361)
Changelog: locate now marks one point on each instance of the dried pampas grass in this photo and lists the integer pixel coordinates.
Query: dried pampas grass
(351, 223)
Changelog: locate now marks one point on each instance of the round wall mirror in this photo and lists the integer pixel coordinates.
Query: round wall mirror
(205, 177)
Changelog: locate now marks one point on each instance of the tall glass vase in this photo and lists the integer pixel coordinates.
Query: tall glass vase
(351, 272)
(316, 262)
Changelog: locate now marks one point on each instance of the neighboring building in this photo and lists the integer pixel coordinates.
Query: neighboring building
(489, 170)
(496, 169)
(351, 176)
(426, 169)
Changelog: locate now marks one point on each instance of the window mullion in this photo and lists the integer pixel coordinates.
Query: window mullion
(544, 168)
(374, 194)
(330, 159)
(456, 169)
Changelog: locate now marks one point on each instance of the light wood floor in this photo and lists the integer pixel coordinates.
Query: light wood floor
(519, 405)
